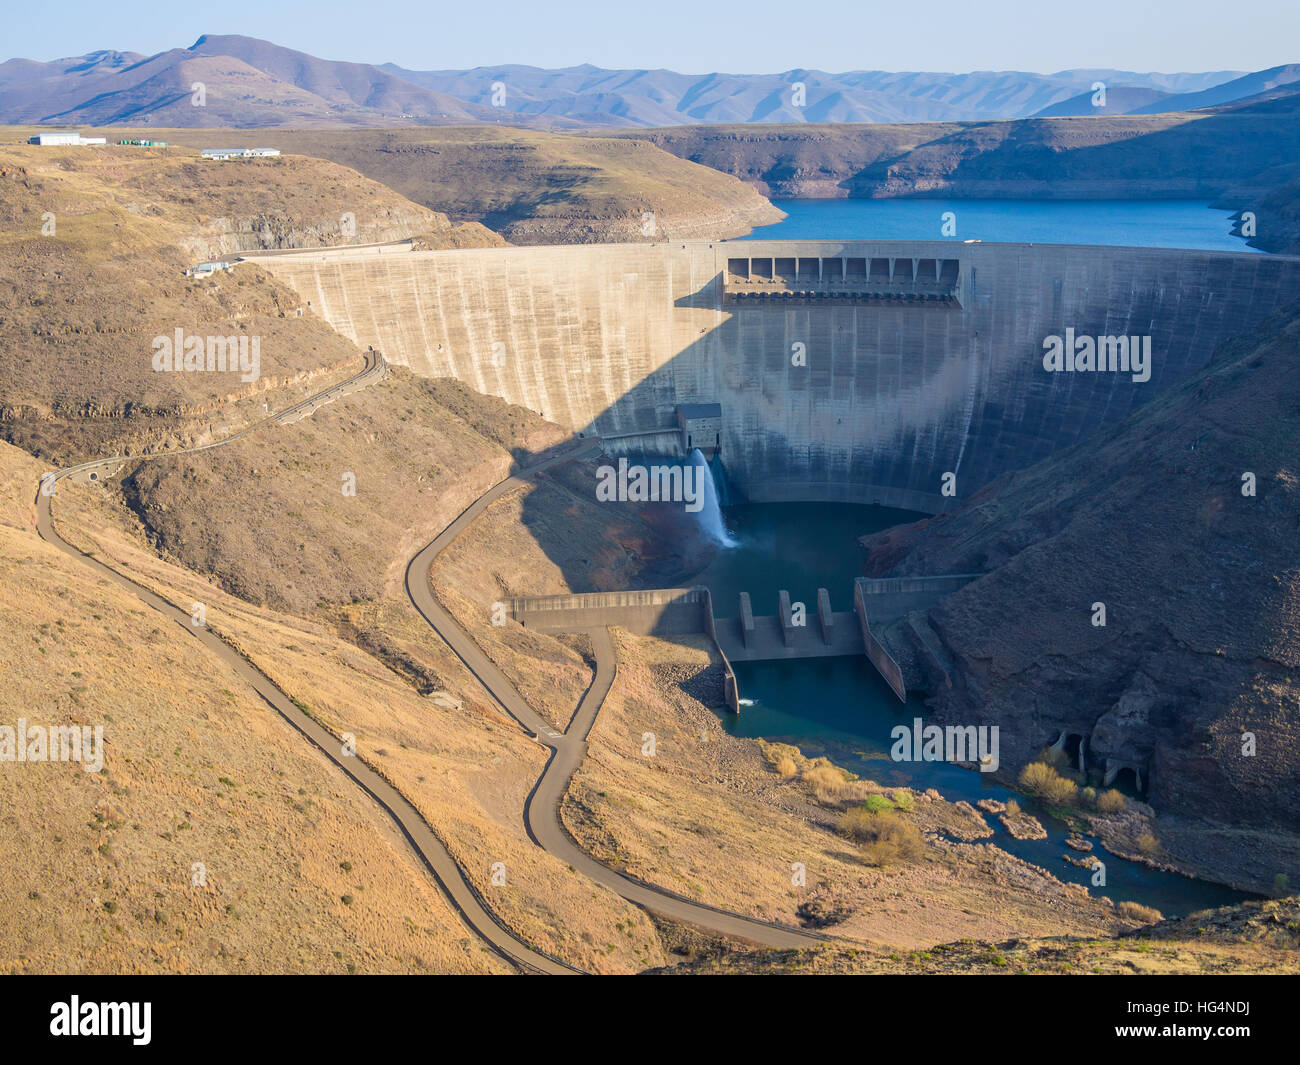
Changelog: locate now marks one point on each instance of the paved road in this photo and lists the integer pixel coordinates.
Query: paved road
(568, 748)
(457, 888)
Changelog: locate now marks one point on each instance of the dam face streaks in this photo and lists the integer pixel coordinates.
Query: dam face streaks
(851, 392)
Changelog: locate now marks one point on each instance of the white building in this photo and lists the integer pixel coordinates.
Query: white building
(207, 269)
(64, 139)
(239, 153)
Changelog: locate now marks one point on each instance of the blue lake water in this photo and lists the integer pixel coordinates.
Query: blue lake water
(841, 708)
(1127, 223)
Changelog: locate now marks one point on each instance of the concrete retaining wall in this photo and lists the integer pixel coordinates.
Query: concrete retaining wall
(658, 612)
(880, 658)
(730, 685)
(890, 598)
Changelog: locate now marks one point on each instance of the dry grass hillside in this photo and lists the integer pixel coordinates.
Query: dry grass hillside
(533, 187)
(93, 246)
(302, 871)
(374, 669)
(414, 452)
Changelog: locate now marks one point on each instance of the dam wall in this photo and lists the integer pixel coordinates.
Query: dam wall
(851, 371)
(654, 612)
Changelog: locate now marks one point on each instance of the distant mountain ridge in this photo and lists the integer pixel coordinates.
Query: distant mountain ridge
(250, 83)
(245, 83)
(664, 97)
(1139, 100)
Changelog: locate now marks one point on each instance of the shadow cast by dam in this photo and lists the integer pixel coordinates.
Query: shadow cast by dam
(881, 404)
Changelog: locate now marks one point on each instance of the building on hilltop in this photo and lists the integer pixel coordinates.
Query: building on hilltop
(217, 154)
(207, 269)
(53, 139)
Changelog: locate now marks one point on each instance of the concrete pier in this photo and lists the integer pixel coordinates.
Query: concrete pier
(825, 618)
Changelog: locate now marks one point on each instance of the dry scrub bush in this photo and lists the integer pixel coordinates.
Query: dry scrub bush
(1039, 778)
(1053, 756)
(1111, 802)
(786, 768)
(1139, 914)
(1148, 844)
(827, 781)
(883, 837)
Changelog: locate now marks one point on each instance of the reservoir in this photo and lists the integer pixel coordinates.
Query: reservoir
(841, 707)
(1117, 223)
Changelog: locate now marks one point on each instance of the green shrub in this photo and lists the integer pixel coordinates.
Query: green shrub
(1089, 796)
(875, 804)
(857, 824)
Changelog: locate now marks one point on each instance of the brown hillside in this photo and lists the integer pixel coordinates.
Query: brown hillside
(533, 187)
(80, 306)
(100, 866)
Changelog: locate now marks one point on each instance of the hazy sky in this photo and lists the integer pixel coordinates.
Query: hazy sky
(697, 36)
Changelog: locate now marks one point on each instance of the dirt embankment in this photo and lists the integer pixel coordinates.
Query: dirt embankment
(372, 669)
(539, 188)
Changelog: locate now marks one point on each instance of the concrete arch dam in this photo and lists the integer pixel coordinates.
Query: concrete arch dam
(848, 371)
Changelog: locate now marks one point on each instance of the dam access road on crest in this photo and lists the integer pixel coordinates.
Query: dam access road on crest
(541, 814)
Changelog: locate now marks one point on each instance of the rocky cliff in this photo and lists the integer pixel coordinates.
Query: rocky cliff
(1182, 521)
(1241, 154)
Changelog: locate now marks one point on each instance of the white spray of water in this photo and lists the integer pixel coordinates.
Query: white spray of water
(711, 514)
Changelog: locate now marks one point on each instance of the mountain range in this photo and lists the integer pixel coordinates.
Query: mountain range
(249, 83)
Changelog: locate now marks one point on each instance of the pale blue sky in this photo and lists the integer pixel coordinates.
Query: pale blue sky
(696, 36)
